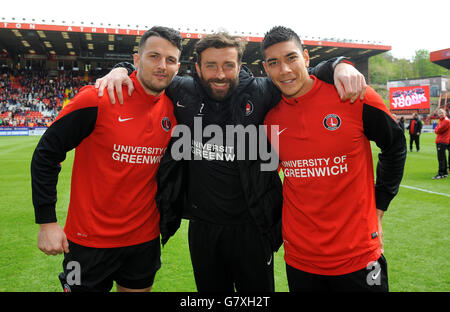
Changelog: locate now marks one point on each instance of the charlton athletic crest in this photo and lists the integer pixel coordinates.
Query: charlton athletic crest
(165, 123)
(332, 122)
(248, 108)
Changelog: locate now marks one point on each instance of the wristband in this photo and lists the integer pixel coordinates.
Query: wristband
(342, 59)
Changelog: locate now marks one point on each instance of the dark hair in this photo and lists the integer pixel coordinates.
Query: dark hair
(167, 33)
(279, 34)
(219, 41)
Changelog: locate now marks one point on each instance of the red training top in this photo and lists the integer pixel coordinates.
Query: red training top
(443, 131)
(329, 208)
(117, 155)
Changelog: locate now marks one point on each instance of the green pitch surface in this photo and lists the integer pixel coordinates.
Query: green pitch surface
(416, 229)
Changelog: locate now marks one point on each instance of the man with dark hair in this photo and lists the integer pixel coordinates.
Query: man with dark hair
(220, 40)
(279, 34)
(332, 211)
(415, 128)
(169, 34)
(233, 206)
(112, 228)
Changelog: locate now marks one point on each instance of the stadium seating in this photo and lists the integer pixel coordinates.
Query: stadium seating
(34, 98)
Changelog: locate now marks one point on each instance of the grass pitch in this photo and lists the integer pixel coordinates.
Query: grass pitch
(416, 229)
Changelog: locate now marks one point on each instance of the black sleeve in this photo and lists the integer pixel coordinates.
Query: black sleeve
(389, 137)
(171, 193)
(129, 67)
(325, 69)
(270, 94)
(62, 136)
(173, 88)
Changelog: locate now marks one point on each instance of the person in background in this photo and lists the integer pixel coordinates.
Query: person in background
(442, 131)
(415, 128)
(401, 123)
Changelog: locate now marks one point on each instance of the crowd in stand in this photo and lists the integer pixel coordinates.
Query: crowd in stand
(34, 98)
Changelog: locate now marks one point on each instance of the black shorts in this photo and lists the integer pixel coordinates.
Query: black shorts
(226, 258)
(374, 278)
(95, 269)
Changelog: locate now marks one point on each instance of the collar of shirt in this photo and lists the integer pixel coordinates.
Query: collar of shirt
(296, 100)
(140, 89)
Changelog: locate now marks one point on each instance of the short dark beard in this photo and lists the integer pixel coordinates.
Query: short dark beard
(207, 86)
(147, 84)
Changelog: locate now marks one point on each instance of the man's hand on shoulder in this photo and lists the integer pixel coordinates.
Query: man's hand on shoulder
(349, 82)
(113, 81)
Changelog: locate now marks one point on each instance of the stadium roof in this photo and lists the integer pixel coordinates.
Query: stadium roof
(441, 57)
(61, 41)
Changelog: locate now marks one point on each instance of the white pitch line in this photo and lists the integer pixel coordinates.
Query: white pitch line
(426, 191)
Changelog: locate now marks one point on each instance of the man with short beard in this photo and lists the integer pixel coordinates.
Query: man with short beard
(112, 228)
(233, 206)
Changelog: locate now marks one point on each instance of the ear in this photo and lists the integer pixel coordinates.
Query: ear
(197, 67)
(136, 59)
(306, 57)
(265, 68)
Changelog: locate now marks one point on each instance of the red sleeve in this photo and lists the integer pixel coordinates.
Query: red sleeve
(442, 126)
